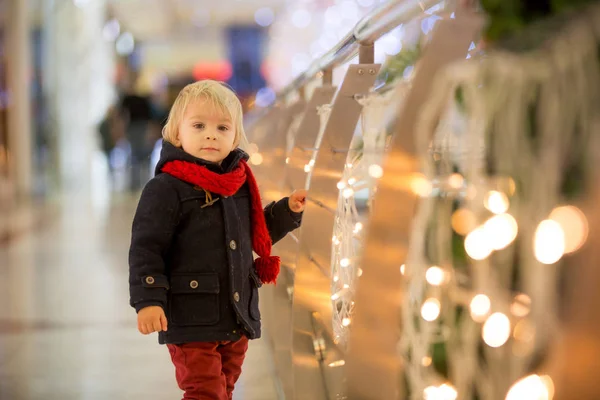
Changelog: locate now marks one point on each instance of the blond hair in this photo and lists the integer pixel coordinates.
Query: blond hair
(221, 97)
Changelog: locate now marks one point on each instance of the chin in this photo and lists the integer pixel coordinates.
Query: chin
(212, 157)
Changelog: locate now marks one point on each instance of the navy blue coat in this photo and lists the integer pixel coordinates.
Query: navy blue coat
(196, 261)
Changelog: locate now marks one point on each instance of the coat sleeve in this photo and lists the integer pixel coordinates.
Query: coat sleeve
(281, 219)
(153, 227)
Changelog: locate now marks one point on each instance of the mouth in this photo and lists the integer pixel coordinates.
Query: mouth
(210, 149)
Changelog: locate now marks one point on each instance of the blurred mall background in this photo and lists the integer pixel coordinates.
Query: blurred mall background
(69, 70)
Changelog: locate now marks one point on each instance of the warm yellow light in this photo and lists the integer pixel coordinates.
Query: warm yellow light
(456, 181)
(501, 230)
(335, 296)
(549, 384)
(574, 224)
(345, 262)
(336, 278)
(351, 181)
(349, 165)
(477, 244)
(520, 305)
(496, 330)
(311, 163)
(512, 186)
(447, 392)
(358, 227)
(420, 185)
(426, 361)
(256, 159)
(430, 393)
(430, 310)
(524, 331)
(463, 221)
(549, 242)
(480, 307)
(341, 185)
(347, 193)
(339, 363)
(496, 202)
(435, 276)
(402, 269)
(287, 160)
(346, 321)
(307, 168)
(359, 272)
(375, 171)
(532, 387)
(346, 286)
(442, 392)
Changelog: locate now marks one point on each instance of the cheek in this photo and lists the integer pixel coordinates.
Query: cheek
(187, 135)
(229, 137)
(232, 138)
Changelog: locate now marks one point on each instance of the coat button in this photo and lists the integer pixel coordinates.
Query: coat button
(236, 297)
(194, 284)
(150, 280)
(233, 245)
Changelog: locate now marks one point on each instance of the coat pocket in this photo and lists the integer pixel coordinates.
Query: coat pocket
(194, 299)
(253, 305)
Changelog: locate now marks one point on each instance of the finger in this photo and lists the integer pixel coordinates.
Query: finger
(156, 325)
(149, 329)
(163, 321)
(140, 327)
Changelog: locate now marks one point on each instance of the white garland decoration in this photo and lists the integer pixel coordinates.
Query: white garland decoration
(498, 91)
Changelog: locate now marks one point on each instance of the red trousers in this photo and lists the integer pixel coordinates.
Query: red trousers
(208, 370)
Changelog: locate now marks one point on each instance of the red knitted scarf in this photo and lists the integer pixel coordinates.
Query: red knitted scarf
(267, 266)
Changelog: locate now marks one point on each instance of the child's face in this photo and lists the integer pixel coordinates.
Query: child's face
(206, 132)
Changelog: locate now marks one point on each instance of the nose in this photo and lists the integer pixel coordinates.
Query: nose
(210, 135)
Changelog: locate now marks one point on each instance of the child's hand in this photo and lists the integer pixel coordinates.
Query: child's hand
(297, 201)
(152, 319)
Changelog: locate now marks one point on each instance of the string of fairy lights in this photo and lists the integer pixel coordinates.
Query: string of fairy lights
(358, 184)
(357, 189)
(492, 231)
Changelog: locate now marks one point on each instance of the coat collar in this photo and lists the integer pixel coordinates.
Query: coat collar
(171, 153)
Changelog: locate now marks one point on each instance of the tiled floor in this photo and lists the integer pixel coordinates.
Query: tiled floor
(66, 329)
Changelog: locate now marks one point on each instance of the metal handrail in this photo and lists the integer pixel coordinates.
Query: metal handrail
(370, 28)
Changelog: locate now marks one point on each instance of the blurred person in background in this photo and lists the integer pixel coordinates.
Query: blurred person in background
(136, 112)
(110, 131)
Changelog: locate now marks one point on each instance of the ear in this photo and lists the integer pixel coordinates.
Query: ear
(176, 141)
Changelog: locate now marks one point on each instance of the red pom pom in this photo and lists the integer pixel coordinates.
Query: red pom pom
(267, 268)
